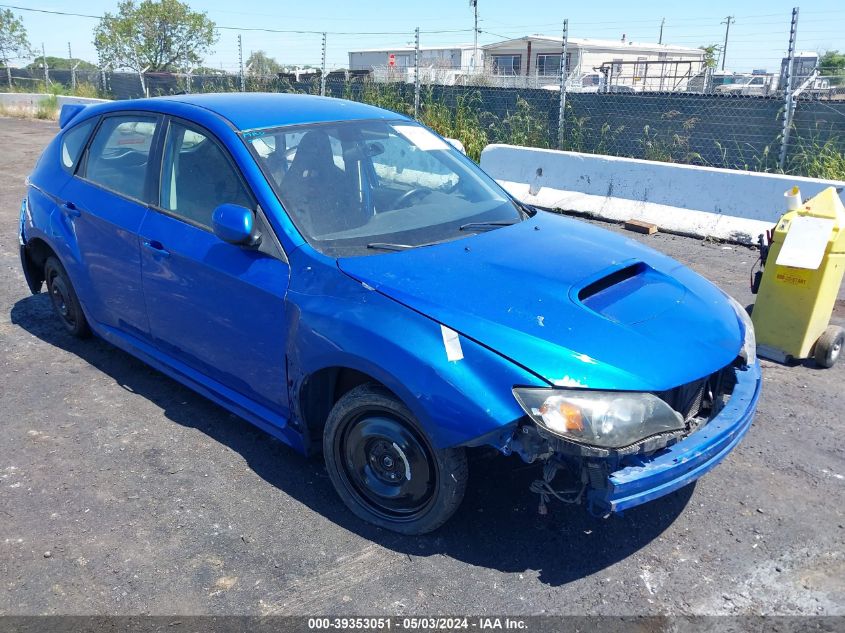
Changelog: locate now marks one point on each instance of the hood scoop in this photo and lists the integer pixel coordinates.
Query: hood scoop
(632, 294)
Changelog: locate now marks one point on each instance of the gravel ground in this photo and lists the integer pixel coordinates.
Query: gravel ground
(122, 492)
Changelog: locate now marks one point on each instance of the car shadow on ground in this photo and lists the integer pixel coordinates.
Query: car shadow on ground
(497, 526)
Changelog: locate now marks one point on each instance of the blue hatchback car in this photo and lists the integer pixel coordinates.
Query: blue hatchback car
(349, 282)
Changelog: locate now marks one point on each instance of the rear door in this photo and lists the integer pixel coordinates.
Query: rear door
(106, 201)
(214, 307)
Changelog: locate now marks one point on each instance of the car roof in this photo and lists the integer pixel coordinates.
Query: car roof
(255, 110)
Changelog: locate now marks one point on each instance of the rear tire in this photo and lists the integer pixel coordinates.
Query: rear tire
(385, 469)
(829, 346)
(63, 297)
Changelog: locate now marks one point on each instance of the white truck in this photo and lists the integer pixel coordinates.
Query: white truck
(749, 86)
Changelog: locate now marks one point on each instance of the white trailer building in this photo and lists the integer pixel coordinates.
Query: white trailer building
(534, 61)
(440, 64)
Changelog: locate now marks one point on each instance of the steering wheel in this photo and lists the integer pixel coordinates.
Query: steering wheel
(405, 198)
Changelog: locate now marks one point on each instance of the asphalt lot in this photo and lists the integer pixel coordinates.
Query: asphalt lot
(122, 492)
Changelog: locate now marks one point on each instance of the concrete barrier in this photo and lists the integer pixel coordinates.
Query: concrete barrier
(725, 204)
(31, 101)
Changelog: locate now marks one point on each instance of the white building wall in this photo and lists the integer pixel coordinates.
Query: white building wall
(447, 58)
(586, 59)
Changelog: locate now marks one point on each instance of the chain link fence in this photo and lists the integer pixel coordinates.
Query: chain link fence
(674, 111)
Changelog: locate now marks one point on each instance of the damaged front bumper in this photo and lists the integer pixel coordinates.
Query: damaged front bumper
(642, 479)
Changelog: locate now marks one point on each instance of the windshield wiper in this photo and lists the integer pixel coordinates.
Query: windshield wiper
(526, 209)
(469, 226)
(387, 246)
(390, 246)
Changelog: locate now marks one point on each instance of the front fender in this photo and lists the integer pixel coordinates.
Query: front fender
(335, 321)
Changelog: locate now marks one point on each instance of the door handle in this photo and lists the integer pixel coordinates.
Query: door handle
(156, 247)
(70, 210)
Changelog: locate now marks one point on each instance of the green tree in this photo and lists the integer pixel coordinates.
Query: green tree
(60, 63)
(158, 35)
(832, 64)
(711, 55)
(259, 64)
(14, 42)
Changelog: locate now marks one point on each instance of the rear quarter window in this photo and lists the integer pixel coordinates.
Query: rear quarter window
(73, 142)
(118, 155)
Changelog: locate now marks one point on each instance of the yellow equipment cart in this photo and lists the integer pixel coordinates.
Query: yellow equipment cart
(801, 278)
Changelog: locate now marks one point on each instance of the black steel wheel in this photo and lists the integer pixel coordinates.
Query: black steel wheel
(829, 346)
(385, 469)
(63, 297)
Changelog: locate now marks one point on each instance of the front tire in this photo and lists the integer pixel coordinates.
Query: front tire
(63, 297)
(385, 469)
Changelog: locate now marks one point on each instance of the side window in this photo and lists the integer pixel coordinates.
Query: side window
(196, 176)
(119, 154)
(72, 143)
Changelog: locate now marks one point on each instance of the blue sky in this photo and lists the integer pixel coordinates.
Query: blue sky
(759, 37)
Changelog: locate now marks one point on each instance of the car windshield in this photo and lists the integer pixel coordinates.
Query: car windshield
(365, 187)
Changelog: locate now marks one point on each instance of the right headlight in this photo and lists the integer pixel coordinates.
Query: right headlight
(606, 419)
(748, 351)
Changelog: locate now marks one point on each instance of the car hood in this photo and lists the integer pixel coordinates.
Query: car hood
(574, 304)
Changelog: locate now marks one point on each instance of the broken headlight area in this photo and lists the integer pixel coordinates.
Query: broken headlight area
(590, 434)
(599, 419)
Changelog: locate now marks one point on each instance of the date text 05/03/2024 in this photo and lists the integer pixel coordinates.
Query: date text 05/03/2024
(417, 623)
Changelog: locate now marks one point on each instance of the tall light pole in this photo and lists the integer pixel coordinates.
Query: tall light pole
(728, 21)
(474, 5)
(662, 22)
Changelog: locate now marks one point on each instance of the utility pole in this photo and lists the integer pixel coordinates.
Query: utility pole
(323, 67)
(474, 5)
(728, 21)
(69, 53)
(662, 22)
(241, 63)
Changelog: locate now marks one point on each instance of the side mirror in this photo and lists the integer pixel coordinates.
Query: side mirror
(235, 224)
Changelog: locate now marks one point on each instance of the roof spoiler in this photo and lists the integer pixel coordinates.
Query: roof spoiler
(69, 112)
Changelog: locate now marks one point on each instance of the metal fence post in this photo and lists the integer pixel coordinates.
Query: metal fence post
(187, 74)
(561, 116)
(72, 67)
(46, 70)
(144, 88)
(789, 105)
(242, 79)
(417, 73)
(323, 69)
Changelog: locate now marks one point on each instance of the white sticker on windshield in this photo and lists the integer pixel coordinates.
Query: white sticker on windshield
(452, 343)
(421, 137)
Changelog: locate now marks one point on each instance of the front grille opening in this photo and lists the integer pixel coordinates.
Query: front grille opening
(700, 400)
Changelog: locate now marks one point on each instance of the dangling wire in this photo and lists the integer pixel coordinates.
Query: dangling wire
(544, 488)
